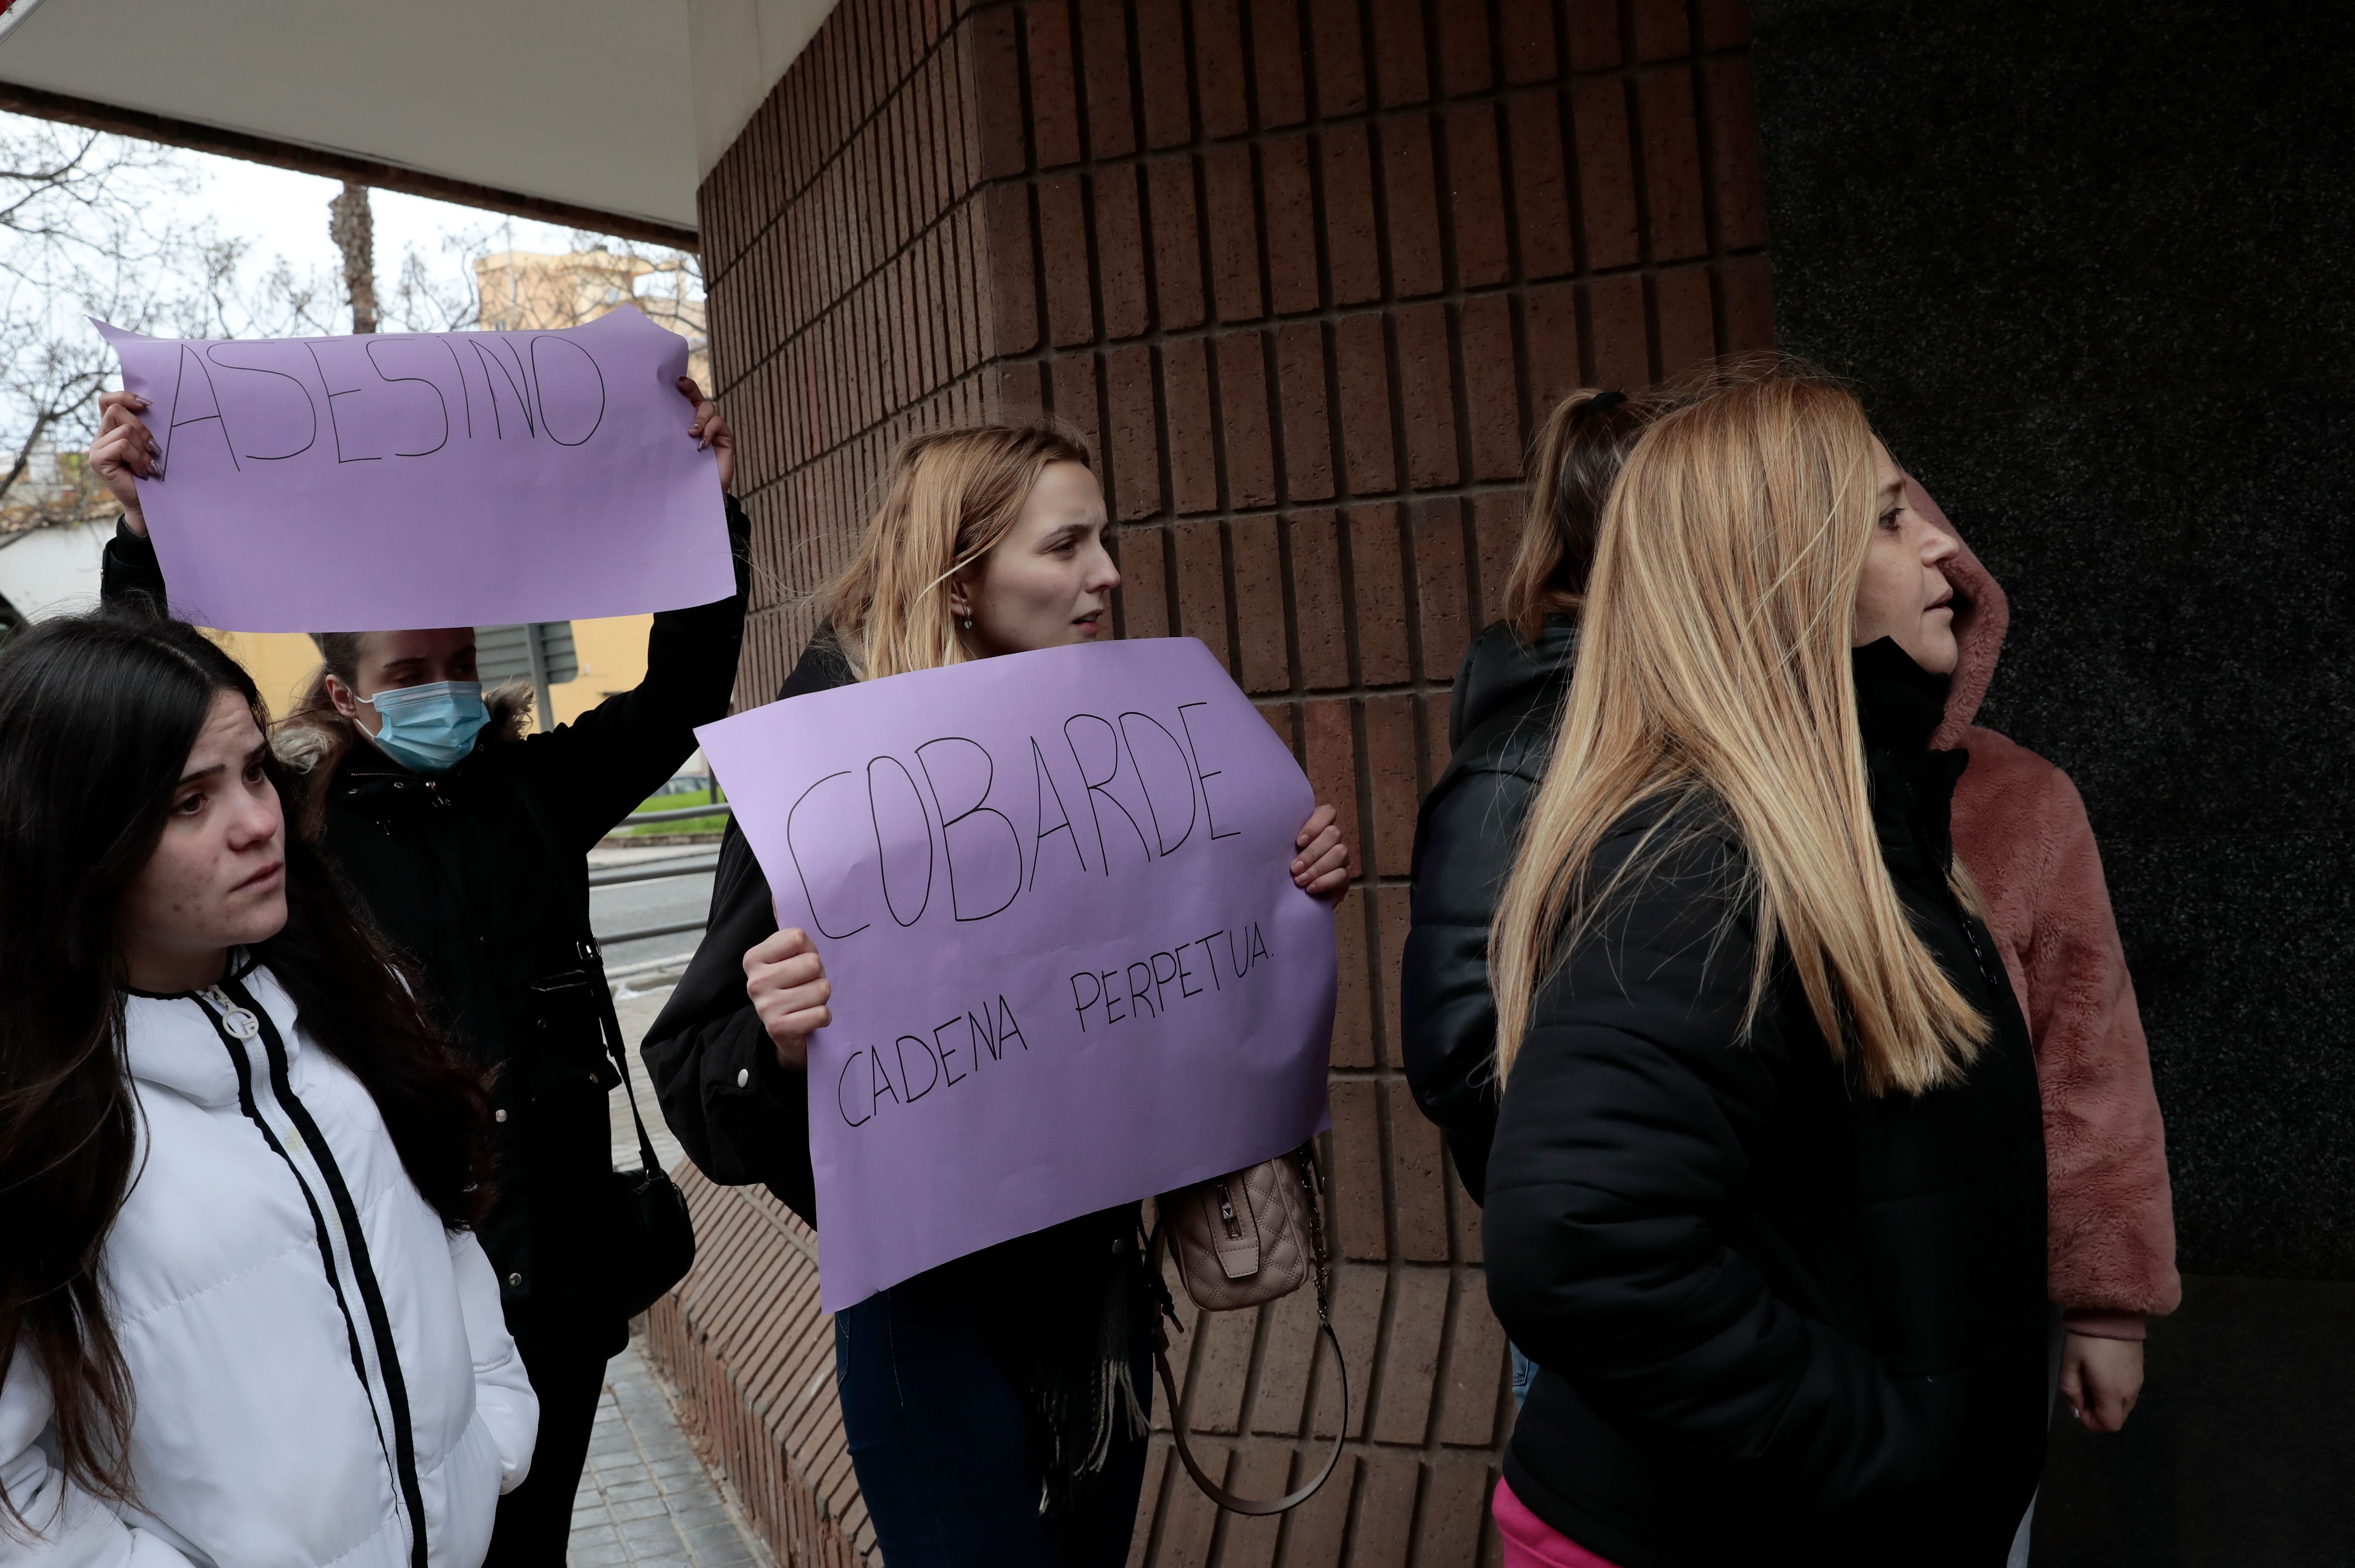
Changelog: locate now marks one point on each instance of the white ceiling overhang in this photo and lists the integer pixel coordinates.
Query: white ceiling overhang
(592, 112)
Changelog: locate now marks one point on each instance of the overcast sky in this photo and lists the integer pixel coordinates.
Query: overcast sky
(282, 213)
(276, 218)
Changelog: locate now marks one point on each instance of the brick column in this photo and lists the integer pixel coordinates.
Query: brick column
(1304, 273)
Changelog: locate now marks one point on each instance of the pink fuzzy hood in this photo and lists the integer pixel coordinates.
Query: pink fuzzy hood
(2021, 830)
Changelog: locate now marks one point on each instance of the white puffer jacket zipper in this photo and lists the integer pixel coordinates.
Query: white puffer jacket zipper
(270, 1104)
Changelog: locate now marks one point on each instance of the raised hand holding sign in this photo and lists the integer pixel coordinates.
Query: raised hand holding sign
(432, 479)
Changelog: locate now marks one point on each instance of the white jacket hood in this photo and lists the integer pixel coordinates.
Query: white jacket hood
(321, 1372)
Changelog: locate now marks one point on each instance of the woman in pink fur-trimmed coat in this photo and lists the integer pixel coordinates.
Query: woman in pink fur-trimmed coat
(2021, 828)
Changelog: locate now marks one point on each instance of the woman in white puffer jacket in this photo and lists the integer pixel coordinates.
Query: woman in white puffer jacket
(242, 1322)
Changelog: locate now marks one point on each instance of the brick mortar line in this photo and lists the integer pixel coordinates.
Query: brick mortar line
(841, 153)
(1373, 118)
(1432, 103)
(1647, 268)
(1328, 314)
(956, 207)
(1331, 316)
(1100, 345)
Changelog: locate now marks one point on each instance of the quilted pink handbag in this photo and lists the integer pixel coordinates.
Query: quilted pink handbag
(1243, 1239)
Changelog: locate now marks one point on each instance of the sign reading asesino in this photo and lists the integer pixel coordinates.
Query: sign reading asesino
(1069, 967)
(393, 481)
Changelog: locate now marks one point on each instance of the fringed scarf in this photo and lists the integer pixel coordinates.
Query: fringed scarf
(1073, 1325)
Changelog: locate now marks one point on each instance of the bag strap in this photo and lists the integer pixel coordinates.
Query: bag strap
(1255, 1507)
(594, 957)
(1312, 1178)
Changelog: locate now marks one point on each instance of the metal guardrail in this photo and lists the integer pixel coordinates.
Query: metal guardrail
(653, 870)
(616, 938)
(676, 814)
(650, 872)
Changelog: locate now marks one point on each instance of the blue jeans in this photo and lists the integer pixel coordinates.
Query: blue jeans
(939, 1440)
(1524, 1370)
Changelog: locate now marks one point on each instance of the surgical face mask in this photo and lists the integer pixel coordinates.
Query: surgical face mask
(430, 728)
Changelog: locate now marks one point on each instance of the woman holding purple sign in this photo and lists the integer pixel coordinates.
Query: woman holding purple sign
(995, 1406)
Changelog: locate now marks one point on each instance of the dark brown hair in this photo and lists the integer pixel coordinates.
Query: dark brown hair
(1573, 461)
(97, 716)
(315, 735)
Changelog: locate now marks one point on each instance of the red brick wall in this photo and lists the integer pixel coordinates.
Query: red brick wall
(1305, 273)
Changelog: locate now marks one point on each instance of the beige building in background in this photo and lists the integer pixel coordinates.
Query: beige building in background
(611, 653)
(525, 291)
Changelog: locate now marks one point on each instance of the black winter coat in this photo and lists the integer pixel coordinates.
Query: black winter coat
(1779, 1320)
(740, 1116)
(1500, 732)
(479, 875)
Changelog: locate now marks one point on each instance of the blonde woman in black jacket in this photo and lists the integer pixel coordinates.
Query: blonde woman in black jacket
(1766, 1199)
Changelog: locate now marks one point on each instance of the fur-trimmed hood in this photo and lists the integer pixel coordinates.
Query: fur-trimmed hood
(1982, 616)
(2022, 830)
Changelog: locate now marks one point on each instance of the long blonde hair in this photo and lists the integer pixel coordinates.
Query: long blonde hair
(949, 497)
(1715, 660)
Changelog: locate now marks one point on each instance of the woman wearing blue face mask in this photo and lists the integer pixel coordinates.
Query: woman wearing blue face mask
(467, 839)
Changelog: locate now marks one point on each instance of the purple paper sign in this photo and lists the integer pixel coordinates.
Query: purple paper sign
(1053, 892)
(394, 481)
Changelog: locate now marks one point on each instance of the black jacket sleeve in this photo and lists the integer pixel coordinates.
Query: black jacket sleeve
(594, 771)
(739, 1113)
(1464, 850)
(129, 568)
(1619, 1148)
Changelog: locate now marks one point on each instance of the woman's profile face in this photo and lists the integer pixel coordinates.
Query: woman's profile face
(1904, 594)
(1049, 581)
(218, 877)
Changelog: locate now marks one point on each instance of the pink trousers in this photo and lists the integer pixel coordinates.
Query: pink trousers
(1530, 1541)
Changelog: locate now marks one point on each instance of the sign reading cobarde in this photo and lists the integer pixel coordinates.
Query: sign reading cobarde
(1069, 967)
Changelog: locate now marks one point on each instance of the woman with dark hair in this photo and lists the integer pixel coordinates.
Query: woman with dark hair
(1499, 733)
(467, 842)
(243, 1317)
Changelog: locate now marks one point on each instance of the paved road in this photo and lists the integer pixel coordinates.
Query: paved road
(636, 1010)
(630, 906)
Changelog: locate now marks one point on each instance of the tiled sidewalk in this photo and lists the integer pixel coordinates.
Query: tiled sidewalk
(645, 1499)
